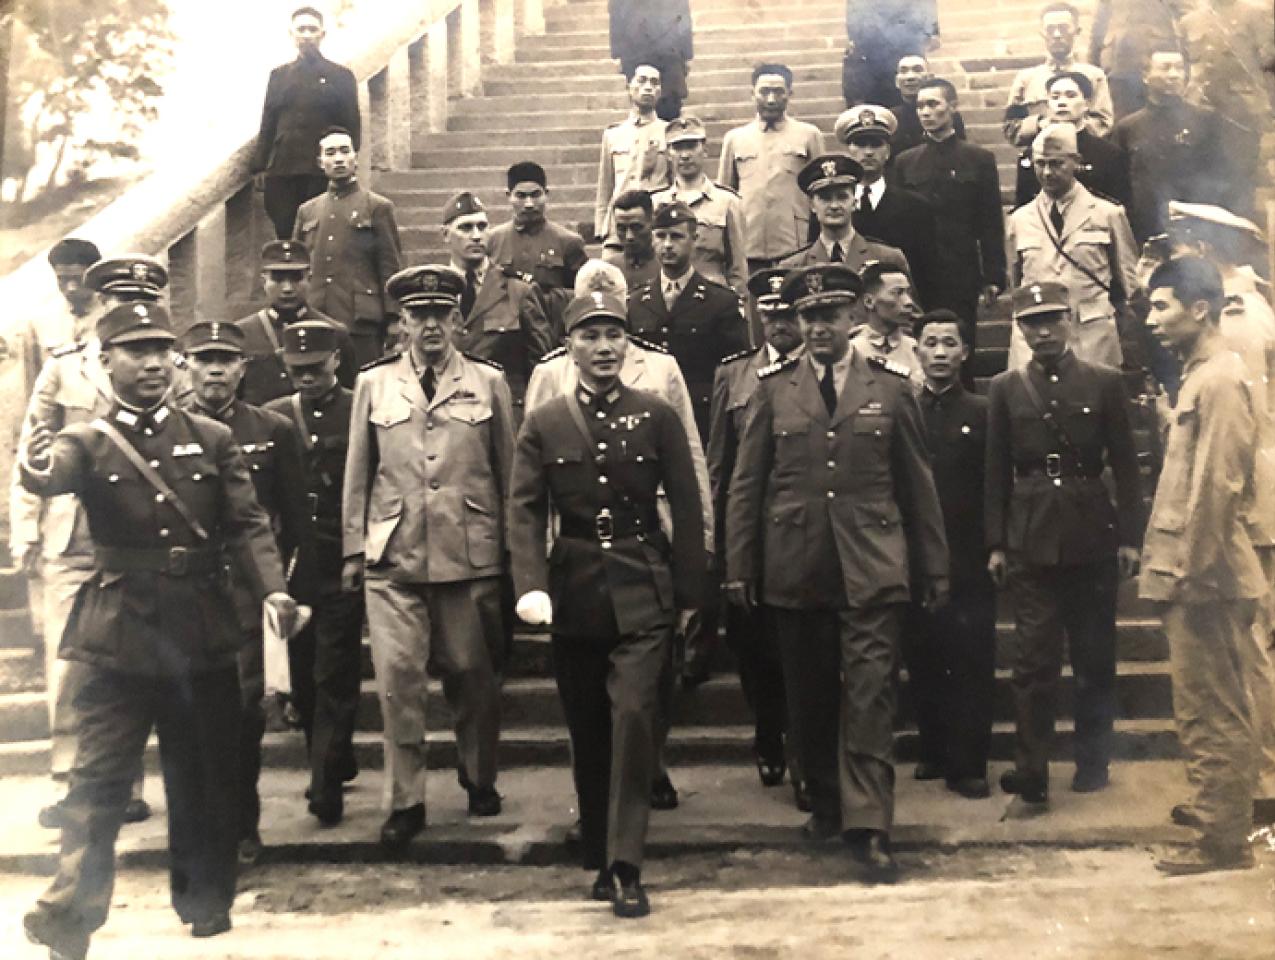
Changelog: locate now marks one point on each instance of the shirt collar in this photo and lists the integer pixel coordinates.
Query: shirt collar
(839, 369)
(1065, 363)
(148, 420)
(638, 120)
(702, 189)
(222, 413)
(681, 281)
(951, 136)
(844, 241)
(343, 188)
(530, 229)
(778, 126)
(875, 190)
(1059, 66)
(603, 401)
(772, 355)
(951, 392)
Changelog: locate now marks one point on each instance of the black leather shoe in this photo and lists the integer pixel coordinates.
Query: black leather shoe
(1189, 860)
(249, 850)
(329, 811)
(1184, 815)
(629, 900)
(210, 927)
(52, 817)
(137, 811)
(925, 770)
(663, 794)
(693, 677)
(871, 850)
(63, 944)
(603, 889)
(484, 802)
(820, 830)
(1263, 812)
(771, 764)
(1031, 791)
(972, 788)
(401, 826)
(1089, 779)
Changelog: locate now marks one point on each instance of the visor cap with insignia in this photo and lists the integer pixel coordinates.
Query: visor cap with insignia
(1191, 217)
(867, 121)
(684, 129)
(595, 306)
(133, 276)
(285, 255)
(822, 285)
(432, 283)
(830, 170)
(1040, 299)
(308, 342)
(462, 205)
(212, 335)
(672, 214)
(1056, 138)
(134, 322)
(74, 252)
(764, 285)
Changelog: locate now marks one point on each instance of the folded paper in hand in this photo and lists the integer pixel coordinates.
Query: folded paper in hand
(278, 676)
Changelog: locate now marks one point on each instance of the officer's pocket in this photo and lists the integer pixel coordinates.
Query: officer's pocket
(472, 413)
(368, 305)
(881, 541)
(391, 414)
(482, 534)
(661, 574)
(94, 624)
(748, 166)
(382, 519)
(1164, 550)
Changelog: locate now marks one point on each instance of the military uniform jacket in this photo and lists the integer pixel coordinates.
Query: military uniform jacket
(962, 184)
(322, 428)
(304, 98)
(426, 480)
(1104, 170)
(898, 347)
(633, 157)
(153, 623)
(635, 446)
(354, 249)
(858, 250)
(704, 325)
(1197, 548)
(956, 429)
(734, 384)
(72, 388)
(1071, 521)
(265, 376)
(830, 512)
(547, 254)
(506, 325)
(719, 233)
(636, 272)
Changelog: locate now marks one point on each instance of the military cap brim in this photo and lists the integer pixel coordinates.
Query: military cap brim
(595, 307)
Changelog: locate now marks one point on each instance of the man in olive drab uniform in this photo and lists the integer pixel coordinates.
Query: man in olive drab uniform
(215, 361)
(1055, 537)
(319, 413)
(632, 155)
(285, 278)
(1200, 565)
(750, 633)
(49, 537)
(633, 251)
(888, 312)
(534, 247)
(167, 496)
(832, 521)
(951, 652)
(354, 249)
(719, 239)
(431, 438)
(612, 588)
(502, 318)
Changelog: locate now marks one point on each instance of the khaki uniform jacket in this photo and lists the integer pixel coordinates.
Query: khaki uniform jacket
(426, 480)
(1096, 236)
(899, 348)
(633, 157)
(1197, 548)
(830, 512)
(720, 245)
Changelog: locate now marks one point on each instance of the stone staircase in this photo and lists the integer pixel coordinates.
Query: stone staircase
(550, 105)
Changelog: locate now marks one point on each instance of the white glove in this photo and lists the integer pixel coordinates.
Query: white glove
(535, 607)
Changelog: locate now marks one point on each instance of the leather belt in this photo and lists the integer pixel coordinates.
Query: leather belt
(605, 527)
(174, 561)
(1054, 467)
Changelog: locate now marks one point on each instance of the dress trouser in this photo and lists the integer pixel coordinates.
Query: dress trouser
(951, 659)
(197, 721)
(1077, 602)
(609, 691)
(284, 195)
(839, 674)
(454, 630)
(337, 668)
(1262, 678)
(1212, 656)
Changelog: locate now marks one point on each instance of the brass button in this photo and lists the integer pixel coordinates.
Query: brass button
(433, 484)
(163, 531)
(831, 494)
(159, 498)
(832, 435)
(832, 464)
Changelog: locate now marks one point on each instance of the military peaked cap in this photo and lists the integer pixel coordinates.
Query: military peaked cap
(133, 322)
(1038, 299)
(311, 341)
(830, 170)
(432, 283)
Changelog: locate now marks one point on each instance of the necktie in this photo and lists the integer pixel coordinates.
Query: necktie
(865, 200)
(428, 383)
(1056, 219)
(838, 256)
(827, 390)
(469, 293)
(670, 293)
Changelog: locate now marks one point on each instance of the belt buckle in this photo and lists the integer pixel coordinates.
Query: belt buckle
(178, 561)
(1053, 465)
(605, 527)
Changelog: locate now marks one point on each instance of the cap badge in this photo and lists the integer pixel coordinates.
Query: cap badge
(1036, 294)
(597, 298)
(776, 283)
(140, 311)
(139, 272)
(830, 168)
(429, 282)
(867, 116)
(814, 282)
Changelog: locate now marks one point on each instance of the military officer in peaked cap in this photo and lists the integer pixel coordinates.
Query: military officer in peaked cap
(319, 415)
(833, 521)
(214, 353)
(167, 494)
(1056, 539)
(285, 278)
(128, 278)
(613, 586)
(431, 440)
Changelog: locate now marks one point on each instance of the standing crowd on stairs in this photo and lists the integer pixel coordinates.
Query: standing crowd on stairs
(760, 411)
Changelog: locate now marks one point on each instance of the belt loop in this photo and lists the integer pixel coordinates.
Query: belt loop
(605, 526)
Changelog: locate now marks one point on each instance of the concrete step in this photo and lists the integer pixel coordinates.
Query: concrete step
(21, 670)
(13, 588)
(16, 631)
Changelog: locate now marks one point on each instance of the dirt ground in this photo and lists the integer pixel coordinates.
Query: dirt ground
(975, 903)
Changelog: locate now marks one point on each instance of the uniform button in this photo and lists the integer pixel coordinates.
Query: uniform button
(832, 435)
(602, 479)
(113, 478)
(163, 531)
(1053, 378)
(600, 415)
(560, 460)
(318, 414)
(429, 424)
(149, 432)
(197, 476)
(832, 464)
(283, 376)
(327, 279)
(885, 523)
(159, 498)
(639, 459)
(1053, 403)
(314, 438)
(433, 484)
(256, 467)
(602, 445)
(154, 464)
(1086, 410)
(831, 494)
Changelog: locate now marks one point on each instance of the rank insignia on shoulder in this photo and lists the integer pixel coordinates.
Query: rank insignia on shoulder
(773, 368)
(513, 274)
(483, 360)
(553, 354)
(66, 349)
(737, 356)
(647, 344)
(889, 366)
(382, 361)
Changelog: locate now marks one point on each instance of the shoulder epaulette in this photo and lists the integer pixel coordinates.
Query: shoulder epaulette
(773, 368)
(491, 363)
(513, 274)
(889, 366)
(706, 282)
(66, 349)
(382, 361)
(647, 344)
(553, 354)
(797, 251)
(751, 352)
(1102, 196)
(722, 186)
